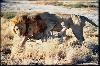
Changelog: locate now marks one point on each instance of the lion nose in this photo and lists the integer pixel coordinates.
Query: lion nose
(19, 34)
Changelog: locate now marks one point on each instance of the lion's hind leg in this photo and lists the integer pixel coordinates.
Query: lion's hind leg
(24, 40)
(78, 32)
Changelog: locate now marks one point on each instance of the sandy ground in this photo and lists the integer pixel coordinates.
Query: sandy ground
(50, 52)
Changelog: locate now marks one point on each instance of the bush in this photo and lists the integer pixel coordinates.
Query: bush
(58, 4)
(8, 15)
(79, 5)
(75, 5)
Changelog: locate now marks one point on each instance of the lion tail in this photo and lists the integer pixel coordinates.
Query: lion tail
(88, 20)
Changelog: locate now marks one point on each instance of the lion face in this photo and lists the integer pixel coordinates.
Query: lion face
(19, 26)
(19, 29)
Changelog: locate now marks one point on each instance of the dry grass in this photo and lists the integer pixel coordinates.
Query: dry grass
(47, 53)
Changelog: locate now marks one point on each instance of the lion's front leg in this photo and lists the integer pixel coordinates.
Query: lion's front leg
(62, 34)
(47, 31)
(24, 40)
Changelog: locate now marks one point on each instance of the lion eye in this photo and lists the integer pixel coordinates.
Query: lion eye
(17, 29)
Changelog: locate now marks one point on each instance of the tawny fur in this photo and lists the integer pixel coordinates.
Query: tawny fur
(44, 22)
(30, 27)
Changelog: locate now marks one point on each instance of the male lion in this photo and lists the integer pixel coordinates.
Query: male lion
(61, 22)
(35, 24)
(25, 26)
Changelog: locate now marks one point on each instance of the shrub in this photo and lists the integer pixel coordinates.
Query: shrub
(8, 15)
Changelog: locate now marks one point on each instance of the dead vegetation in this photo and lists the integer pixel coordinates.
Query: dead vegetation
(50, 52)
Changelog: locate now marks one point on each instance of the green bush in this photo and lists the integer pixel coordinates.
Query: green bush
(8, 15)
(59, 4)
(79, 5)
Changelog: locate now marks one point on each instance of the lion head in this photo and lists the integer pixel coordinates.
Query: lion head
(28, 25)
(19, 26)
